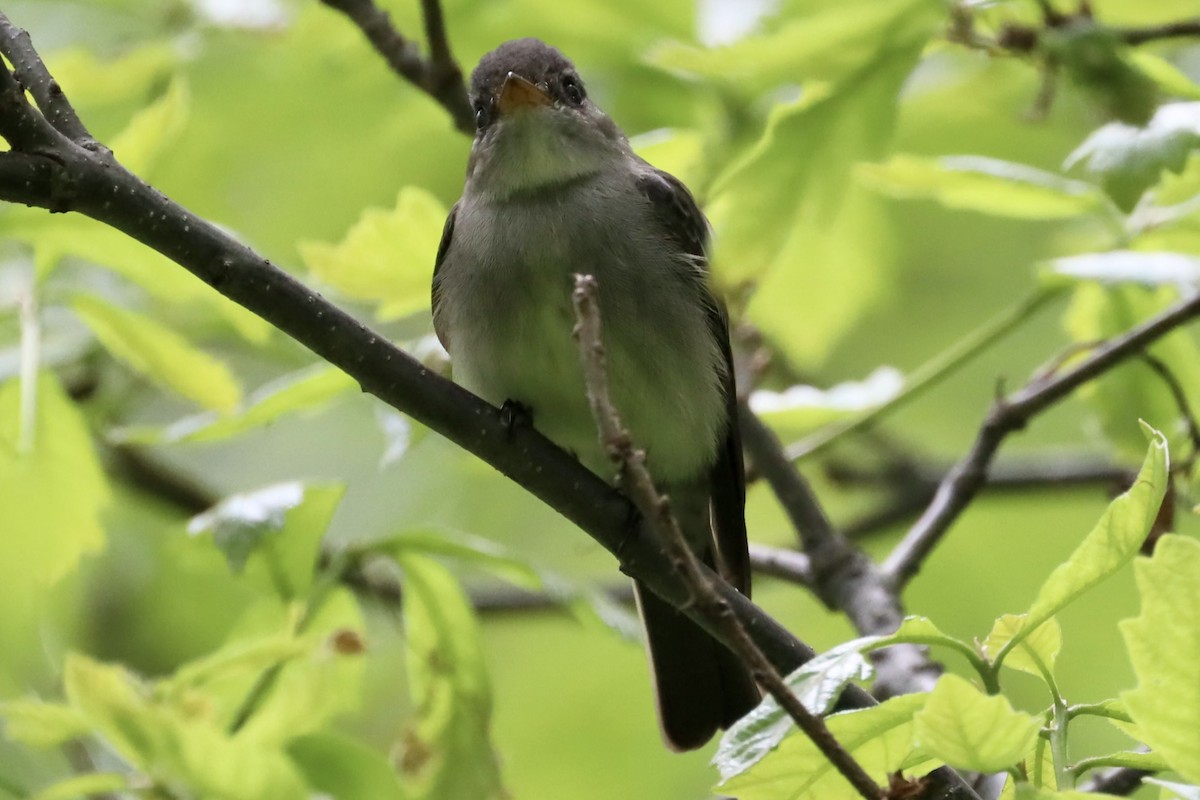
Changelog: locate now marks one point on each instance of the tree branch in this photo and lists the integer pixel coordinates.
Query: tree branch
(1170, 30)
(439, 76)
(1010, 414)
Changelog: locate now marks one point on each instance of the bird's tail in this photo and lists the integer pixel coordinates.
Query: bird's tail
(700, 685)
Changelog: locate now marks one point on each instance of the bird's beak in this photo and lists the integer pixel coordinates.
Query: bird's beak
(520, 93)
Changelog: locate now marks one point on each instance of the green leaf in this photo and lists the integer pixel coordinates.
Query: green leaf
(1040, 646)
(820, 256)
(1164, 646)
(800, 410)
(829, 42)
(343, 768)
(62, 489)
(472, 550)
(1124, 266)
(277, 530)
(970, 730)
(986, 185)
(91, 784)
(1109, 546)
(305, 390)
(161, 354)
(324, 683)
(152, 129)
(678, 151)
(817, 684)
(40, 724)
(1133, 390)
(386, 257)
(53, 236)
(448, 751)
(87, 78)
(172, 744)
(879, 738)
(1129, 160)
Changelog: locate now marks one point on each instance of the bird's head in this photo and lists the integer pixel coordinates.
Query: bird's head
(536, 127)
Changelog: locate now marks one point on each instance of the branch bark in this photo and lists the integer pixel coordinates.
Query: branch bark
(1010, 414)
(439, 76)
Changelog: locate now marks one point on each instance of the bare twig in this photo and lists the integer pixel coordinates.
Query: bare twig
(439, 76)
(1010, 414)
(912, 491)
(656, 511)
(789, 565)
(1153, 33)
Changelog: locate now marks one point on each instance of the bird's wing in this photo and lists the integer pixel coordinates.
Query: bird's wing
(435, 291)
(682, 220)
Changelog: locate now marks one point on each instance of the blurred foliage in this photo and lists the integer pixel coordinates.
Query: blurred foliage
(881, 176)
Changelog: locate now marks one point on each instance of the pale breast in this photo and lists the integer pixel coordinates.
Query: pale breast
(505, 289)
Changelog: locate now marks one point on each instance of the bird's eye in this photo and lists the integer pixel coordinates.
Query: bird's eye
(573, 89)
(483, 114)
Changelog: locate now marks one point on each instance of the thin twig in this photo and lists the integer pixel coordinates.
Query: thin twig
(1153, 33)
(438, 76)
(1010, 414)
(656, 511)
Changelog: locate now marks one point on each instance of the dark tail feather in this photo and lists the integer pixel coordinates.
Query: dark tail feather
(700, 685)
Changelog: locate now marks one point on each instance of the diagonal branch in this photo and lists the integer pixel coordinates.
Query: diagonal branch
(1011, 414)
(439, 76)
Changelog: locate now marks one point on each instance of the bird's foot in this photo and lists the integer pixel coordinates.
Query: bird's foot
(515, 414)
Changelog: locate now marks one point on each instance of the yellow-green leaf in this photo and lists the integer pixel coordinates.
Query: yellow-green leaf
(387, 257)
(986, 185)
(40, 724)
(1038, 649)
(879, 738)
(828, 43)
(970, 730)
(160, 354)
(450, 743)
(275, 532)
(1164, 646)
(54, 494)
(1109, 546)
(305, 390)
(152, 129)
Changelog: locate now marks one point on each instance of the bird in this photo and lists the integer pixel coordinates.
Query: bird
(554, 189)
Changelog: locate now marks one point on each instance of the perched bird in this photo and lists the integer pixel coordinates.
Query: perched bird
(554, 189)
